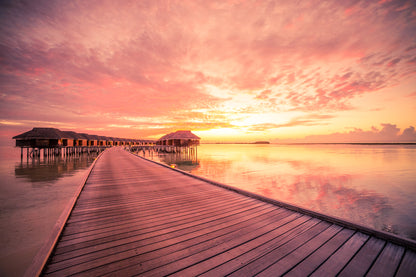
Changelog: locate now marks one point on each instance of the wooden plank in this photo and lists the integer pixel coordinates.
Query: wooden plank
(340, 258)
(231, 260)
(275, 254)
(168, 264)
(163, 239)
(143, 226)
(135, 217)
(308, 265)
(407, 266)
(388, 261)
(150, 249)
(130, 222)
(298, 254)
(363, 260)
(40, 259)
(169, 211)
(164, 227)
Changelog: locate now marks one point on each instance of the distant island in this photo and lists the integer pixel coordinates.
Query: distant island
(261, 142)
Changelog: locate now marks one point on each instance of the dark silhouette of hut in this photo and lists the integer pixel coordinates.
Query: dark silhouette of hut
(93, 140)
(102, 141)
(83, 139)
(74, 137)
(44, 138)
(182, 138)
(54, 141)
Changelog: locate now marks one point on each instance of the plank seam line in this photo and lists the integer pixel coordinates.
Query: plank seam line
(42, 256)
(191, 238)
(158, 224)
(398, 240)
(333, 253)
(314, 251)
(297, 216)
(192, 206)
(400, 263)
(355, 254)
(376, 258)
(275, 247)
(296, 248)
(174, 224)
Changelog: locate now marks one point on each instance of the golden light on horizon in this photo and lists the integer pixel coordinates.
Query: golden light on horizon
(273, 69)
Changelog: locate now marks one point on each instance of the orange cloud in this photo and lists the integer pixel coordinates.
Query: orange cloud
(92, 64)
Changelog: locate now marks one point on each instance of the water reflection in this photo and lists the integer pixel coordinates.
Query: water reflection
(33, 194)
(185, 161)
(334, 195)
(181, 161)
(52, 168)
(373, 185)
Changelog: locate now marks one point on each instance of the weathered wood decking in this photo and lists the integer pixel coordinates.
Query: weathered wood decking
(135, 217)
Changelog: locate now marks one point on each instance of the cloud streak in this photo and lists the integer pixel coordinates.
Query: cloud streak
(388, 133)
(94, 62)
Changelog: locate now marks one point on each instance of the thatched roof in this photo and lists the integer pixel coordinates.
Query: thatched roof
(182, 134)
(53, 133)
(104, 138)
(94, 137)
(73, 134)
(83, 136)
(43, 133)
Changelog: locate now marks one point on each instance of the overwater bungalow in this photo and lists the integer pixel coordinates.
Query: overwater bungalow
(82, 139)
(55, 141)
(109, 141)
(102, 141)
(74, 137)
(44, 138)
(182, 138)
(93, 140)
(116, 141)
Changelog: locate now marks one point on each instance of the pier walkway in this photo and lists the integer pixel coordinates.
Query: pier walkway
(135, 217)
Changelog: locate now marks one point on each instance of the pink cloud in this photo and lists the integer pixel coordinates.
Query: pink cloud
(91, 63)
(389, 133)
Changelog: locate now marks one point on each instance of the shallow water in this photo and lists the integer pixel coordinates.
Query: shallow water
(33, 194)
(372, 185)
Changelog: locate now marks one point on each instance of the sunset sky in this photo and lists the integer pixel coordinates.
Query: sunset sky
(328, 71)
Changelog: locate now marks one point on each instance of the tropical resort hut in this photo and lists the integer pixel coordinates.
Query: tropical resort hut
(102, 141)
(109, 141)
(55, 141)
(116, 141)
(82, 139)
(43, 138)
(47, 139)
(93, 140)
(182, 138)
(74, 137)
(124, 141)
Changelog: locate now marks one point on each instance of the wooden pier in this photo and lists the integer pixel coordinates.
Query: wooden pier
(135, 217)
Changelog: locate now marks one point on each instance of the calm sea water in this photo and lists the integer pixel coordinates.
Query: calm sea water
(33, 194)
(374, 185)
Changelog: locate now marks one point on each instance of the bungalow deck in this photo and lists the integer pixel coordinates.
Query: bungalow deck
(135, 217)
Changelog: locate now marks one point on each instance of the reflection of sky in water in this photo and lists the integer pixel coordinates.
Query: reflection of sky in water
(373, 185)
(33, 194)
(50, 169)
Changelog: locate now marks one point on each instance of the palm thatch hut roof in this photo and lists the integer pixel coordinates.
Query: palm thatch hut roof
(84, 136)
(73, 135)
(30, 138)
(180, 138)
(181, 134)
(43, 133)
(94, 137)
